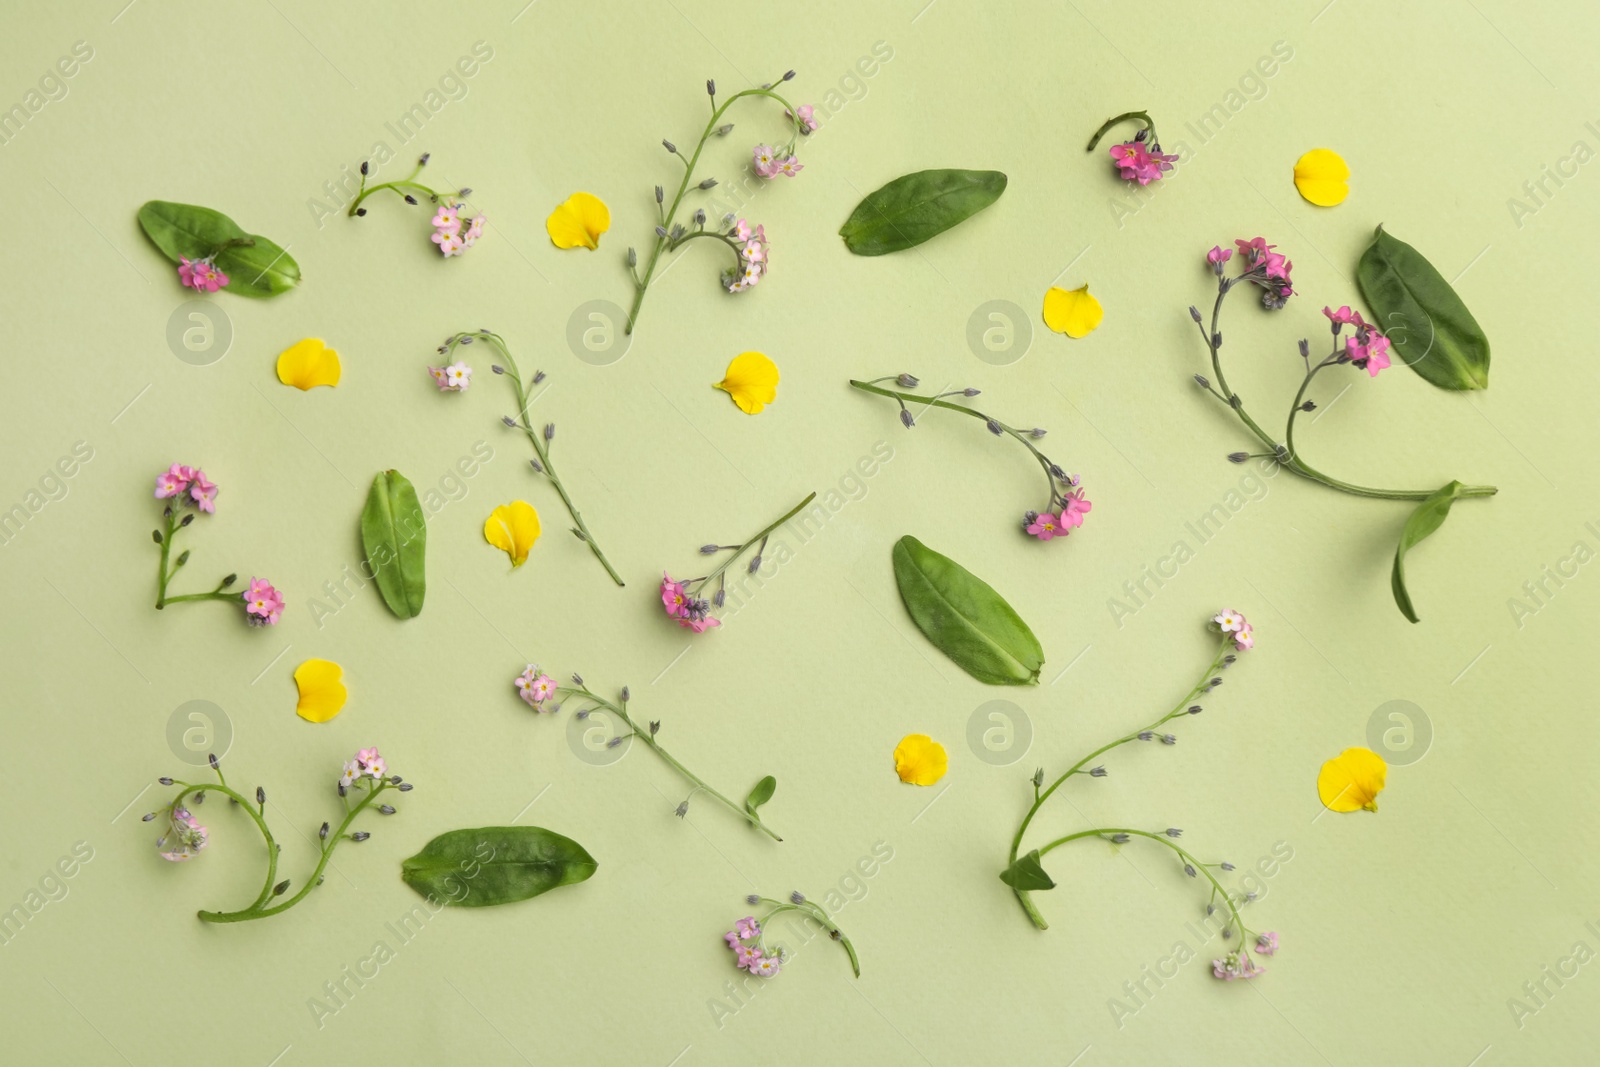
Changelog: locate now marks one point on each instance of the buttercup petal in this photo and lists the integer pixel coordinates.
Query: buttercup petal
(752, 381)
(1323, 177)
(1075, 313)
(920, 760)
(322, 691)
(1352, 781)
(579, 222)
(513, 528)
(307, 364)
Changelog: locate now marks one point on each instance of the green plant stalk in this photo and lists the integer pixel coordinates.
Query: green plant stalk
(669, 217)
(819, 913)
(761, 537)
(621, 712)
(408, 182)
(541, 448)
(1285, 454)
(1180, 708)
(164, 574)
(1142, 116)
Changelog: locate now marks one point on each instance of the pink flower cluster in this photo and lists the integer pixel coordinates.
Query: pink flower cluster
(1238, 964)
(1265, 268)
(690, 612)
(751, 957)
(191, 483)
(367, 764)
(1048, 525)
(452, 379)
(805, 117)
(448, 233)
(1368, 349)
(754, 257)
(768, 164)
(1232, 622)
(201, 275)
(537, 689)
(184, 838)
(1137, 163)
(263, 605)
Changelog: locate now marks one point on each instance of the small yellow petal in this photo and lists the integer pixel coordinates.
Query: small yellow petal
(752, 381)
(307, 364)
(513, 528)
(1074, 313)
(579, 222)
(322, 691)
(1322, 177)
(920, 760)
(1352, 781)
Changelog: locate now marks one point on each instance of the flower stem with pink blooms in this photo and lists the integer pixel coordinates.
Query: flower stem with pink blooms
(1110, 124)
(670, 235)
(815, 911)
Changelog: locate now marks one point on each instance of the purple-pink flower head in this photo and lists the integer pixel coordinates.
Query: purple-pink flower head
(1371, 357)
(263, 604)
(1137, 163)
(1267, 269)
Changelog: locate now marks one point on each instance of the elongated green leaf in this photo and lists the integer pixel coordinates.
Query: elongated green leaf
(1428, 517)
(1027, 874)
(394, 534)
(495, 865)
(915, 207)
(965, 618)
(255, 266)
(760, 794)
(1426, 322)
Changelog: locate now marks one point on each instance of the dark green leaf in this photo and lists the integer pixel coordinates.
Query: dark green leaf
(760, 794)
(1428, 517)
(915, 207)
(1426, 322)
(965, 618)
(254, 265)
(495, 865)
(1027, 874)
(394, 535)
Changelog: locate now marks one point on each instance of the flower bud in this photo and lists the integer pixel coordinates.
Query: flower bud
(1038, 777)
(1188, 868)
(423, 162)
(724, 130)
(633, 257)
(187, 519)
(360, 835)
(669, 146)
(151, 816)
(281, 888)
(905, 417)
(706, 550)
(1194, 313)
(1173, 831)
(509, 421)
(969, 391)
(537, 468)
(711, 87)
(755, 563)
(156, 536)
(797, 897)
(405, 787)
(994, 428)
(323, 832)
(752, 899)
(661, 231)
(1225, 865)
(709, 183)
(1195, 709)
(361, 211)
(614, 742)
(164, 780)
(1036, 433)
(1237, 457)
(261, 795)
(788, 75)
(655, 727)
(1097, 772)
(385, 809)
(211, 757)
(411, 200)
(1309, 405)
(907, 381)
(1120, 839)
(549, 431)
(363, 168)
(624, 694)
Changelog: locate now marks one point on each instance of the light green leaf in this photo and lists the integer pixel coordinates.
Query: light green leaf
(915, 207)
(394, 534)
(1428, 517)
(760, 794)
(495, 865)
(965, 618)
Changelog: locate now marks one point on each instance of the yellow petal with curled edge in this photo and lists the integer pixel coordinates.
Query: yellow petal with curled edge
(322, 691)
(579, 222)
(1323, 177)
(307, 364)
(513, 528)
(1074, 313)
(1352, 781)
(752, 381)
(920, 760)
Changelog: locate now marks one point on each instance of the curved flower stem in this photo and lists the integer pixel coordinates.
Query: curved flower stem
(820, 914)
(621, 712)
(761, 537)
(1284, 453)
(165, 574)
(408, 182)
(1180, 708)
(541, 447)
(671, 214)
(1142, 116)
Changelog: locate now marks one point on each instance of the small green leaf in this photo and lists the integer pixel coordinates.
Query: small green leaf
(915, 207)
(394, 535)
(965, 618)
(255, 266)
(1427, 324)
(1027, 875)
(1428, 517)
(760, 794)
(495, 865)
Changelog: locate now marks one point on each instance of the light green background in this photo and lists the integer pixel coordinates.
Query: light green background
(1404, 934)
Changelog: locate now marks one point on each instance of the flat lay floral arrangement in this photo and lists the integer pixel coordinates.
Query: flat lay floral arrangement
(1413, 317)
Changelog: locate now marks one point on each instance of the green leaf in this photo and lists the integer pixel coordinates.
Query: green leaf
(255, 266)
(1428, 517)
(1027, 874)
(965, 618)
(915, 207)
(760, 794)
(394, 535)
(495, 865)
(1426, 322)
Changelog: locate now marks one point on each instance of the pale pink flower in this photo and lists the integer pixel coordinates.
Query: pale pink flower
(1236, 965)
(1267, 943)
(1344, 317)
(747, 957)
(186, 272)
(765, 160)
(203, 492)
(1229, 621)
(449, 244)
(790, 167)
(742, 231)
(174, 481)
(766, 967)
(748, 928)
(1267, 269)
(352, 771)
(447, 219)
(732, 938)
(1245, 638)
(440, 378)
(700, 625)
(1076, 508)
(371, 764)
(184, 838)
(263, 604)
(474, 231)
(458, 376)
(805, 115)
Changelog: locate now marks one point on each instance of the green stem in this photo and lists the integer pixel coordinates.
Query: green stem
(739, 550)
(1142, 116)
(407, 182)
(165, 574)
(819, 913)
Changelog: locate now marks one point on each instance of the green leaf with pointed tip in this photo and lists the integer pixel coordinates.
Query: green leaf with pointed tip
(1027, 875)
(965, 618)
(760, 794)
(915, 207)
(255, 266)
(394, 534)
(1428, 517)
(495, 865)
(1428, 326)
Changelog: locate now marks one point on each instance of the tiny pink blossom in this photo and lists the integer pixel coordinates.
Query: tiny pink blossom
(1267, 943)
(805, 114)
(1236, 965)
(186, 273)
(440, 379)
(447, 219)
(1371, 357)
(732, 938)
(449, 244)
(790, 167)
(765, 160)
(673, 596)
(748, 928)
(474, 231)
(263, 604)
(1219, 255)
(766, 967)
(1076, 508)
(172, 482)
(1229, 621)
(1137, 163)
(203, 492)
(700, 626)
(747, 957)
(1344, 317)
(1245, 639)
(184, 838)
(204, 275)
(1045, 525)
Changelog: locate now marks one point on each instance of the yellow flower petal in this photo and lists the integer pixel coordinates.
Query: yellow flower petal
(920, 760)
(308, 363)
(1074, 313)
(752, 381)
(513, 528)
(1352, 781)
(579, 222)
(1322, 177)
(322, 691)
